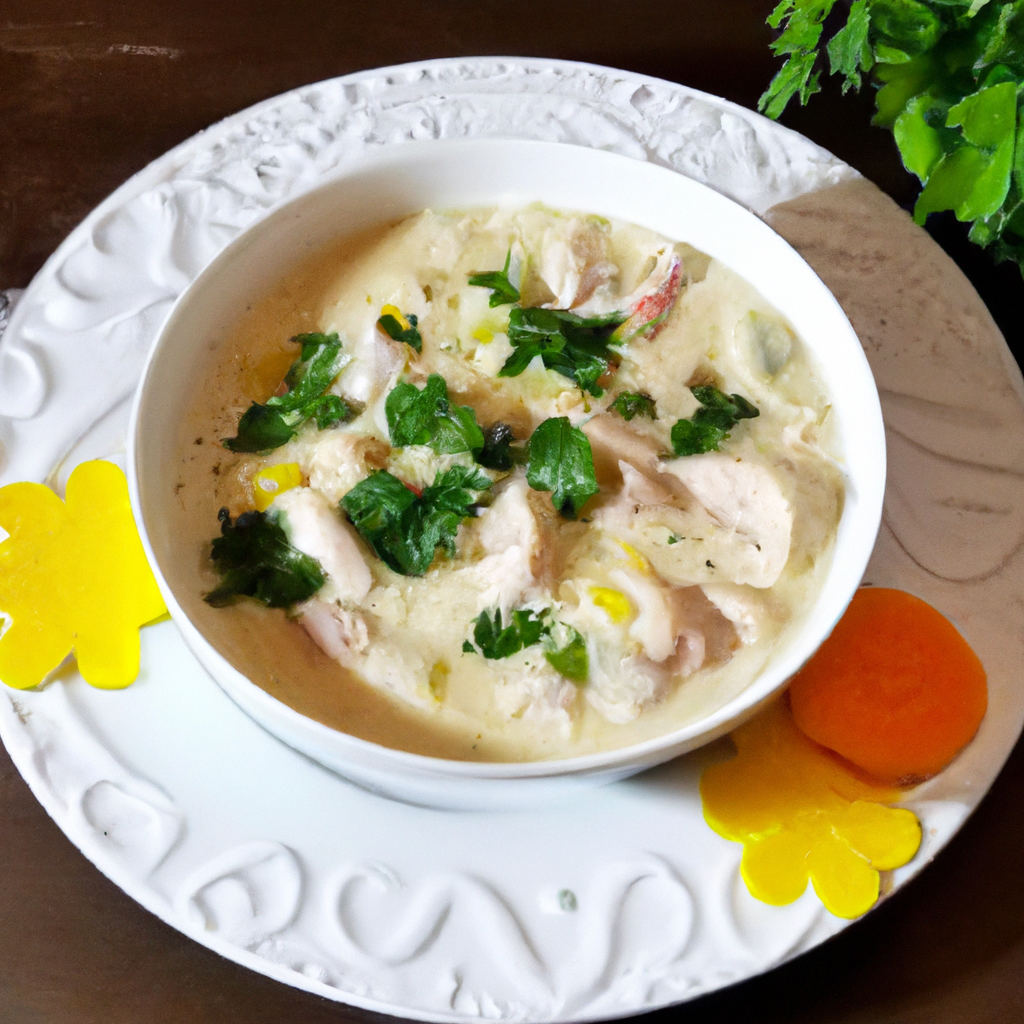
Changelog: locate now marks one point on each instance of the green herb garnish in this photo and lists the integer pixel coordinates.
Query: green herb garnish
(428, 417)
(711, 423)
(254, 559)
(948, 74)
(262, 428)
(498, 641)
(405, 530)
(576, 347)
(403, 327)
(503, 291)
(566, 651)
(565, 648)
(629, 404)
(561, 461)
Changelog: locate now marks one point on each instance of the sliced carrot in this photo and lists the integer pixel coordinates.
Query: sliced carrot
(895, 689)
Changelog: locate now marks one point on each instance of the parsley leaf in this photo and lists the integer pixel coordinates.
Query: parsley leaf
(263, 428)
(400, 327)
(949, 73)
(566, 651)
(576, 347)
(428, 417)
(564, 647)
(404, 530)
(503, 291)
(561, 461)
(629, 404)
(254, 559)
(497, 641)
(711, 423)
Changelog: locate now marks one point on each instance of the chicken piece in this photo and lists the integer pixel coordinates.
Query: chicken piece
(613, 440)
(573, 262)
(750, 611)
(375, 368)
(686, 545)
(743, 496)
(316, 529)
(535, 692)
(341, 459)
(654, 295)
(619, 688)
(340, 634)
(516, 564)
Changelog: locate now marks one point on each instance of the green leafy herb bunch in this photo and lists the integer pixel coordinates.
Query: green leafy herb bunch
(949, 75)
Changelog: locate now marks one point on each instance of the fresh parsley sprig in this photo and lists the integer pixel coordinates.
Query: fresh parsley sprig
(711, 423)
(631, 403)
(503, 291)
(427, 416)
(577, 347)
(405, 529)
(254, 559)
(262, 428)
(497, 641)
(561, 461)
(949, 75)
(564, 646)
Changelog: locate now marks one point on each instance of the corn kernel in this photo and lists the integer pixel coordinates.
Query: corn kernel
(268, 483)
(483, 335)
(635, 557)
(438, 681)
(613, 602)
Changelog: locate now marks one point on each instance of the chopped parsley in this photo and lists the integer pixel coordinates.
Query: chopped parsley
(561, 461)
(403, 327)
(631, 403)
(254, 559)
(711, 423)
(405, 529)
(503, 291)
(262, 428)
(576, 347)
(498, 641)
(428, 417)
(564, 647)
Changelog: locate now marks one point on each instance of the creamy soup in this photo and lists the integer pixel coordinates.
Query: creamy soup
(514, 484)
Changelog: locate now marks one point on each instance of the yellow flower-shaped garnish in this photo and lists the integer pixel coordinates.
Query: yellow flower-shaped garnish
(268, 483)
(73, 576)
(800, 814)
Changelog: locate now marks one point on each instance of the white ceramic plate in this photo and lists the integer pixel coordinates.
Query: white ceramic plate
(617, 901)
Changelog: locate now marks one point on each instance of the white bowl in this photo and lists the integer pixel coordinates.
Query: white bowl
(402, 180)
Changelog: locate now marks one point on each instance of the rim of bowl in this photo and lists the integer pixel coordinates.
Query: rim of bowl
(858, 537)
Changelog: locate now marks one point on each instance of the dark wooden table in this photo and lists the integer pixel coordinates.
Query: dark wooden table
(91, 91)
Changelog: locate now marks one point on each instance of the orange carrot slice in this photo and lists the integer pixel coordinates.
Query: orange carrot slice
(895, 689)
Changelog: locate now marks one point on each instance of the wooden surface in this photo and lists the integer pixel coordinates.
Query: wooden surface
(92, 90)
